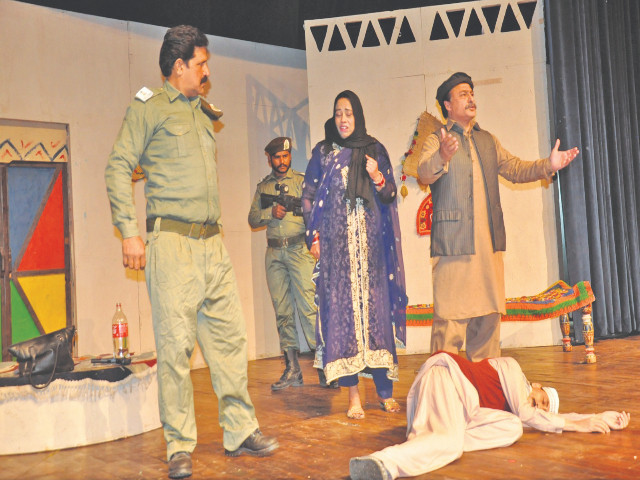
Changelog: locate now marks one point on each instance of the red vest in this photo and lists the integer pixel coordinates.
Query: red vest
(486, 381)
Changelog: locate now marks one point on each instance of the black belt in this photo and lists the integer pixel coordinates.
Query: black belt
(285, 242)
(192, 230)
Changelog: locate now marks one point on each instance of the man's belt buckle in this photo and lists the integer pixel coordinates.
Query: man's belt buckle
(285, 242)
(201, 229)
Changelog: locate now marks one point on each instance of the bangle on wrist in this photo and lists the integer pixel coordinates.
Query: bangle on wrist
(381, 182)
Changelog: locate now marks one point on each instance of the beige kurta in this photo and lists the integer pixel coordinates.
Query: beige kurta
(468, 286)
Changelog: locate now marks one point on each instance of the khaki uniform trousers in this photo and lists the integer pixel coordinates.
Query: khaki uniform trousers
(289, 271)
(194, 295)
(482, 336)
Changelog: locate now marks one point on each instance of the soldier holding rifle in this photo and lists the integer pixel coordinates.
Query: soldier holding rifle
(288, 263)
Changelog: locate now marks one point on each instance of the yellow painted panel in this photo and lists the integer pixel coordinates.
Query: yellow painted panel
(47, 296)
(33, 141)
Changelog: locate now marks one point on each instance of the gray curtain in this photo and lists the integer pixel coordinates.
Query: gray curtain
(594, 56)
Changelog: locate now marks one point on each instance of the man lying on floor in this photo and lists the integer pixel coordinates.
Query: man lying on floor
(457, 406)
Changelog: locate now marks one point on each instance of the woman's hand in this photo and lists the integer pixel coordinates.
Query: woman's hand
(372, 168)
(375, 174)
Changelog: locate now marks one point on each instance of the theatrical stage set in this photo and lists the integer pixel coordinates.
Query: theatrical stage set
(101, 420)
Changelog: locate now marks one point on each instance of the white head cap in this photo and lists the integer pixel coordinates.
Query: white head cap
(554, 399)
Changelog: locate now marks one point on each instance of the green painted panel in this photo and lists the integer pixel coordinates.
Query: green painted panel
(22, 325)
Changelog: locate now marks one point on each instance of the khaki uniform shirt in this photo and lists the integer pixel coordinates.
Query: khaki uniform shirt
(171, 138)
(291, 224)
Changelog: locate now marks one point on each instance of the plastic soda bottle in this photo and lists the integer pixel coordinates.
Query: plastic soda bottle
(120, 333)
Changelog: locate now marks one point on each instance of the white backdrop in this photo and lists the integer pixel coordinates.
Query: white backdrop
(500, 44)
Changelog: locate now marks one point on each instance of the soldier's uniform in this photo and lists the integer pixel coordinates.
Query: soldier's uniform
(288, 264)
(190, 279)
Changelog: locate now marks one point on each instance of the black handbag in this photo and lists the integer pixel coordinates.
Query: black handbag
(47, 354)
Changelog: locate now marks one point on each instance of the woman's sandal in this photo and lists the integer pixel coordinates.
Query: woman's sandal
(355, 413)
(389, 405)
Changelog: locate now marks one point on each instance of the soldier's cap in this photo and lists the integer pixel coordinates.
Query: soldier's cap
(444, 89)
(279, 144)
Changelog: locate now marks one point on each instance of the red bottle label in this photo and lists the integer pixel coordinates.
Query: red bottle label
(120, 330)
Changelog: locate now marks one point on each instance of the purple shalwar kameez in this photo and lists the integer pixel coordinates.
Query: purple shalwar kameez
(360, 286)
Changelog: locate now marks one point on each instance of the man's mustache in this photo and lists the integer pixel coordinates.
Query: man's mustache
(470, 105)
(204, 80)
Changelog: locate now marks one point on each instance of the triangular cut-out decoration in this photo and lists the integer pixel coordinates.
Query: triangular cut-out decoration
(387, 25)
(353, 29)
(491, 16)
(370, 37)
(438, 31)
(319, 33)
(22, 325)
(510, 22)
(46, 247)
(406, 34)
(336, 43)
(527, 9)
(455, 19)
(474, 27)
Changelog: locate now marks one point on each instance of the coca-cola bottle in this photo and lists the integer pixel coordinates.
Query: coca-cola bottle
(120, 333)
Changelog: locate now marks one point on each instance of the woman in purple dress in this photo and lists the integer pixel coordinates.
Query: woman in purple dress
(349, 205)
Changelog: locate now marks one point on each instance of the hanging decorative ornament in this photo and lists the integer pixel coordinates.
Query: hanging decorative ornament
(403, 189)
(426, 125)
(425, 216)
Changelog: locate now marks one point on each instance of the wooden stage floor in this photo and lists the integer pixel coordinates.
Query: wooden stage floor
(317, 440)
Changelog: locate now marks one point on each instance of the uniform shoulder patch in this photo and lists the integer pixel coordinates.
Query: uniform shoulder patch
(145, 94)
(213, 112)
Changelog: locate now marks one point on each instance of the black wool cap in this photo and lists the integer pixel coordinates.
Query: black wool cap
(279, 144)
(444, 89)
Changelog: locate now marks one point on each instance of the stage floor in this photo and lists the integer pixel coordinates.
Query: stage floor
(317, 439)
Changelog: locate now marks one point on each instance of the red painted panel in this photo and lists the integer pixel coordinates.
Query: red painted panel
(46, 248)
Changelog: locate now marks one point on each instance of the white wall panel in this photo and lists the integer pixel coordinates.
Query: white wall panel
(396, 82)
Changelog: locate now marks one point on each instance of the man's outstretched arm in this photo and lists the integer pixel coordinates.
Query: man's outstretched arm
(599, 422)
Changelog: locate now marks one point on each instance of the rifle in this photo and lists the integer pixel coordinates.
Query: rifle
(289, 202)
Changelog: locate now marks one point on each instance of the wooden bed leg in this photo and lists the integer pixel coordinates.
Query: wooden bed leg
(587, 330)
(565, 327)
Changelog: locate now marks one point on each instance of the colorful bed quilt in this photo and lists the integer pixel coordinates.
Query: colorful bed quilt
(556, 300)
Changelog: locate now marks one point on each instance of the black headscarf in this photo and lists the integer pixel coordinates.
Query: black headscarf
(361, 144)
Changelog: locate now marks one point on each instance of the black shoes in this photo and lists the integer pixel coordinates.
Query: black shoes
(256, 444)
(368, 468)
(180, 465)
(292, 375)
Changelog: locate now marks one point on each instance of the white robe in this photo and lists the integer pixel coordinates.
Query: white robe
(444, 417)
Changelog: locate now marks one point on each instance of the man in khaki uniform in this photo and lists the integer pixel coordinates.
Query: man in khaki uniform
(288, 263)
(462, 163)
(192, 286)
